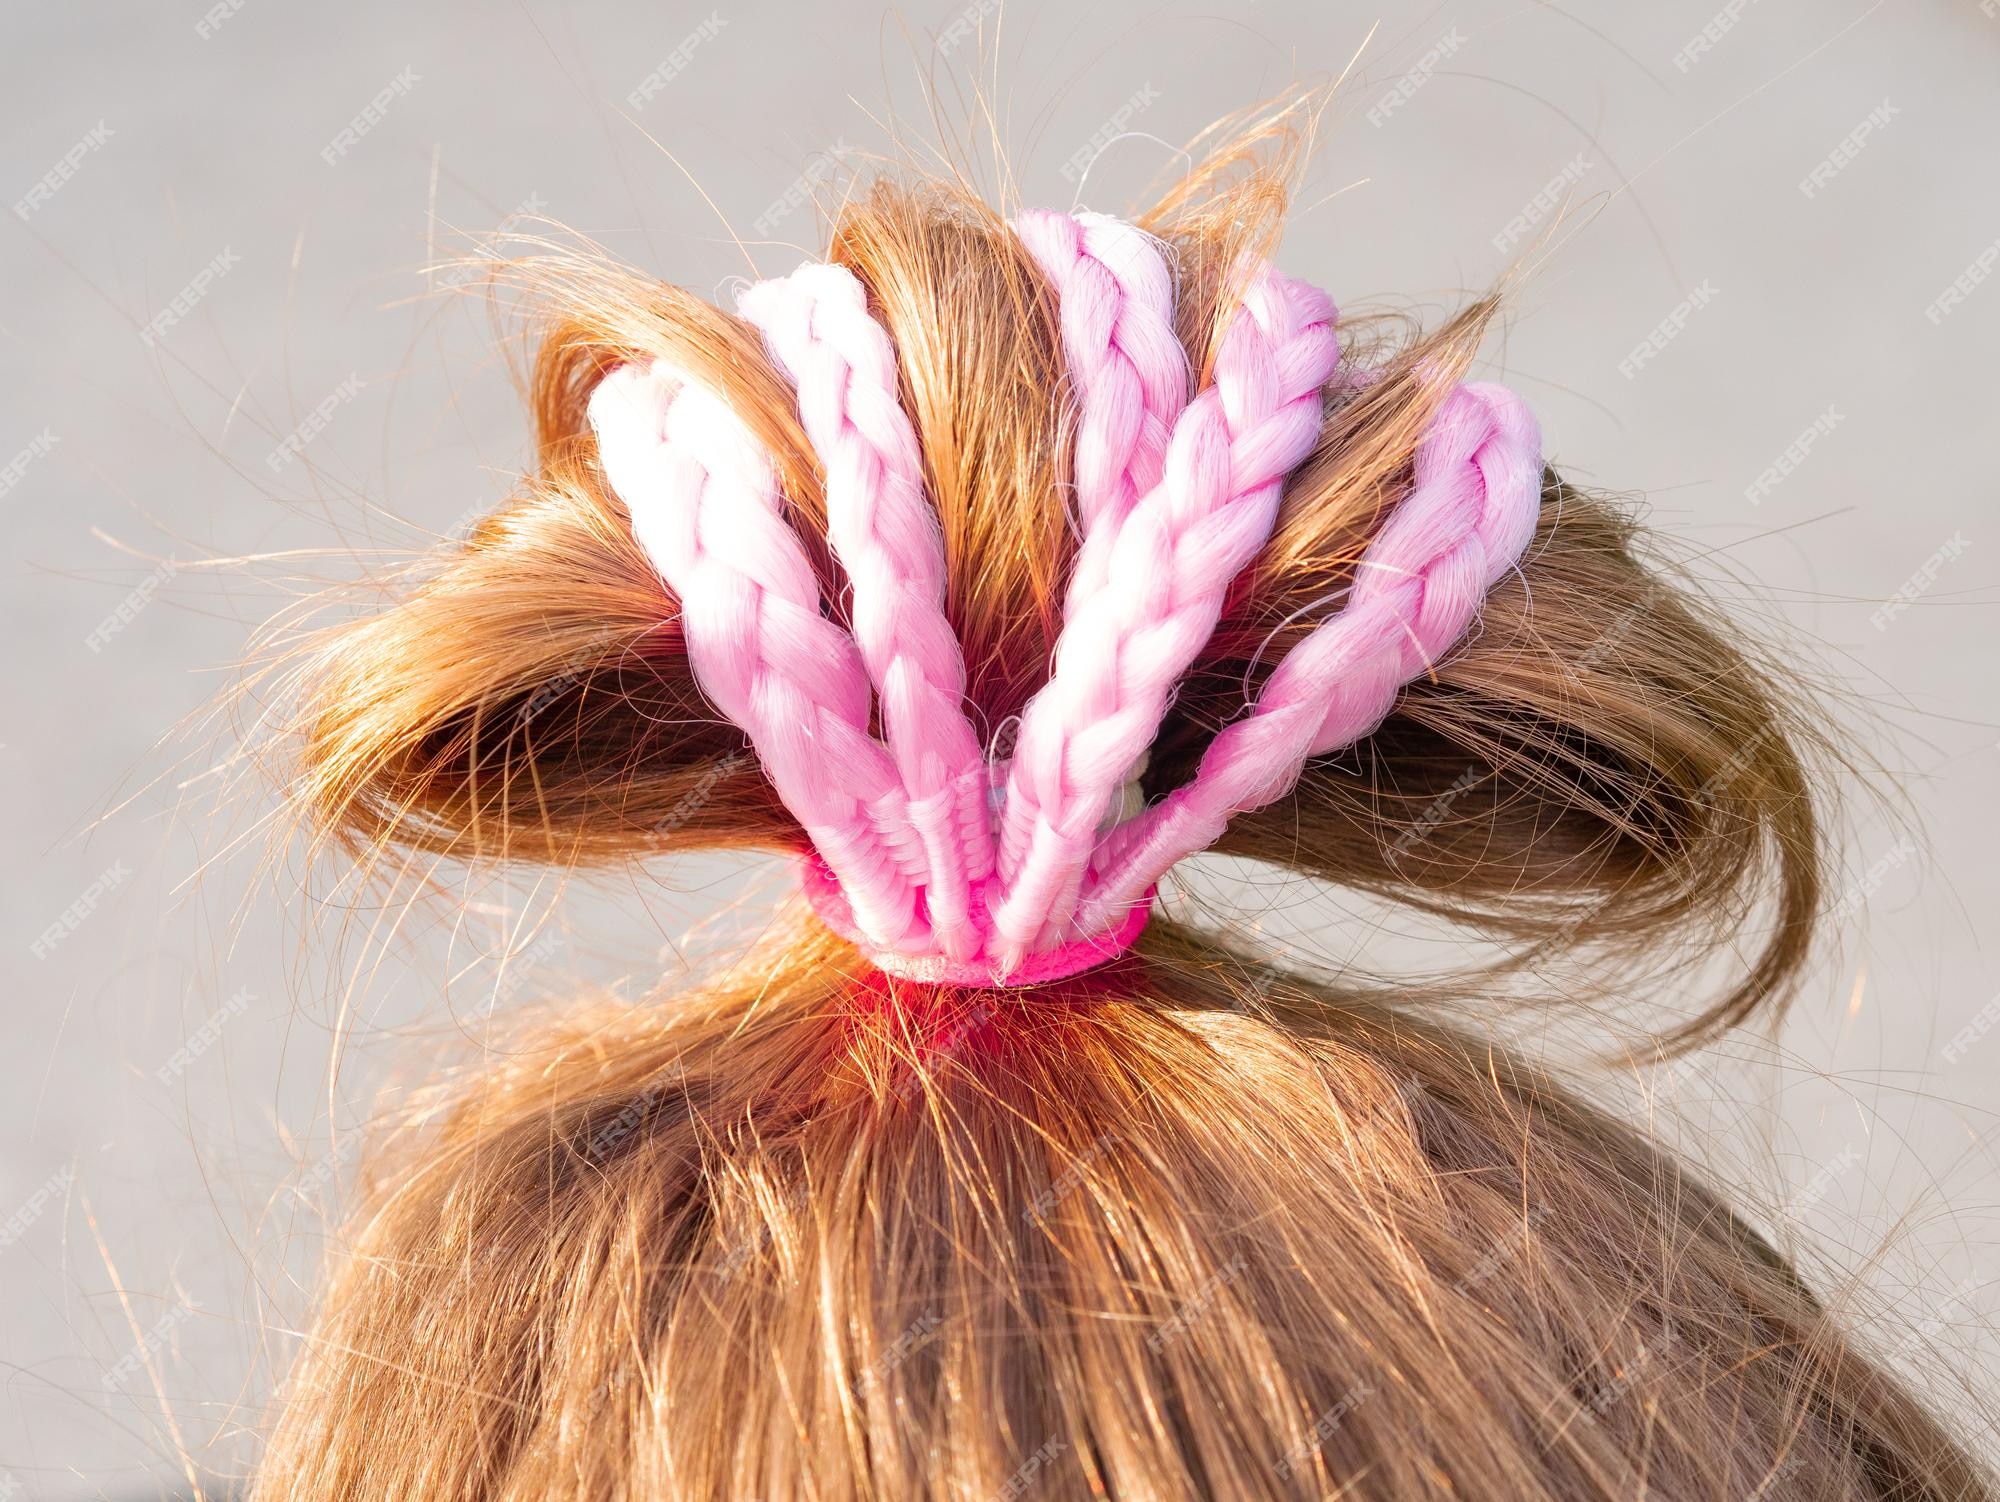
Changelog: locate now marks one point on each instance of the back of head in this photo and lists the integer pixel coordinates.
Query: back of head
(1177, 1225)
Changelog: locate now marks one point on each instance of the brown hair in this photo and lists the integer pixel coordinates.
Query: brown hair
(1187, 1226)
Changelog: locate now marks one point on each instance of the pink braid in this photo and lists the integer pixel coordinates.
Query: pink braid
(1173, 499)
(1469, 515)
(1126, 366)
(1170, 565)
(705, 506)
(819, 332)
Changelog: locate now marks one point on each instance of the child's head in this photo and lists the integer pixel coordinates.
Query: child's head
(1173, 1223)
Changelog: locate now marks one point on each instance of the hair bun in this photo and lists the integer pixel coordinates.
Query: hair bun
(1359, 631)
(915, 858)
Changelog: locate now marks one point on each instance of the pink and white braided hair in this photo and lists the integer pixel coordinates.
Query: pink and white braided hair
(1175, 494)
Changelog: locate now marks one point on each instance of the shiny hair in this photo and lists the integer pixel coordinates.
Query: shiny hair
(1188, 1225)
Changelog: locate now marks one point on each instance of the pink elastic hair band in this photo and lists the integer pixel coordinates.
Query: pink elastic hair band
(940, 867)
(829, 903)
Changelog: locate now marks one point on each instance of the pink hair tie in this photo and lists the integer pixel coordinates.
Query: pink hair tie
(910, 858)
(828, 900)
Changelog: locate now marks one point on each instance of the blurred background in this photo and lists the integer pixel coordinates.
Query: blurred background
(1761, 238)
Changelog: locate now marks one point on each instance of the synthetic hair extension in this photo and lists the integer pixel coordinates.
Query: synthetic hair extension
(989, 567)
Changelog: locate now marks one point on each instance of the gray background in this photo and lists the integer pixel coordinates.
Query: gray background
(174, 1214)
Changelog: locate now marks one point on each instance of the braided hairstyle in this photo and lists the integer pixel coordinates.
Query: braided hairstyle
(1030, 557)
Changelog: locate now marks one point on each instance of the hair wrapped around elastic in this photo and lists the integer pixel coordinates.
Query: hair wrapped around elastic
(1174, 497)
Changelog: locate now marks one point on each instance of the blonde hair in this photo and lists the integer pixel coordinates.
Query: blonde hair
(1185, 1226)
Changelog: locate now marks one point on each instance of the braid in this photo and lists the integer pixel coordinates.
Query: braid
(1169, 567)
(818, 329)
(1423, 578)
(1174, 497)
(704, 503)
